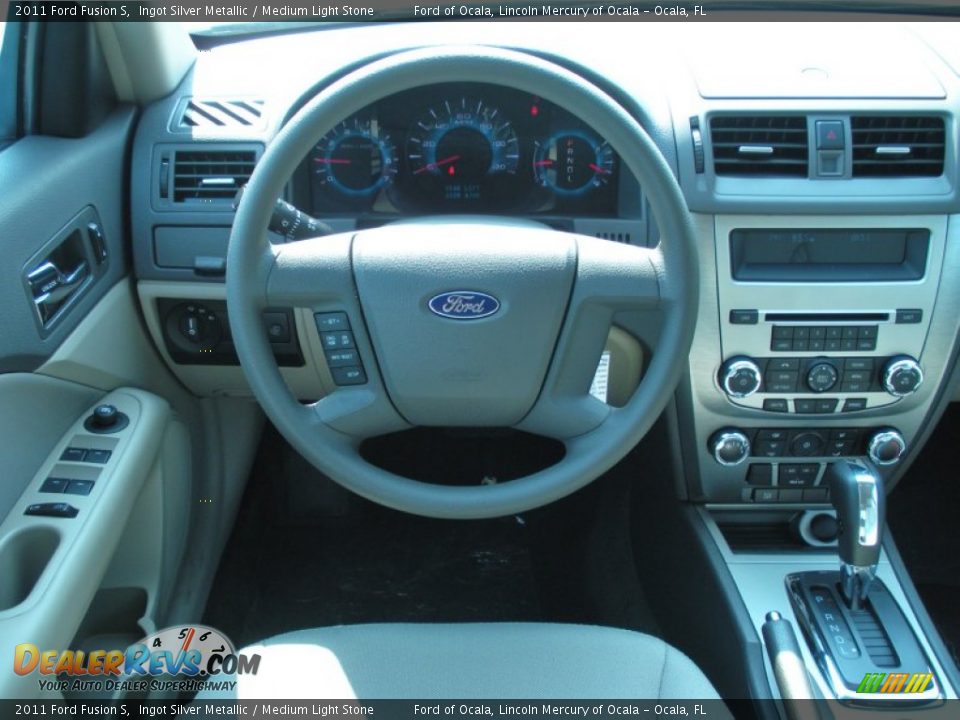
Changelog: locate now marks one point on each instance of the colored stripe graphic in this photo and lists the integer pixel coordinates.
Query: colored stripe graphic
(895, 683)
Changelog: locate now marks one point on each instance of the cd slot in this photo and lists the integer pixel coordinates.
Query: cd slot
(826, 317)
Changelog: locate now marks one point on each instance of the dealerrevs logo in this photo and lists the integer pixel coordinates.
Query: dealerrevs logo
(177, 658)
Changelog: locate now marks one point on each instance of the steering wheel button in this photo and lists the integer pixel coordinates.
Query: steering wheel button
(337, 340)
(342, 358)
(327, 322)
(349, 375)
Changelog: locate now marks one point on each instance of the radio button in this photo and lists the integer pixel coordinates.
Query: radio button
(782, 345)
(744, 317)
(854, 387)
(867, 345)
(815, 345)
(856, 376)
(849, 331)
(909, 316)
(776, 405)
(832, 345)
(858, 364)
(740, 377)
(849, 344)
(834, 332)
(826, 406)
(854, 404)
(867, 332)
(783, 364)
(821, 377)
(902, 376)
(782, 332)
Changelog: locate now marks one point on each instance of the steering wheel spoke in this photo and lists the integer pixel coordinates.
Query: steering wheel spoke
(312, 273)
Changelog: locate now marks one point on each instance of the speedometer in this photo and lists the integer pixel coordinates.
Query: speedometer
(460, 142)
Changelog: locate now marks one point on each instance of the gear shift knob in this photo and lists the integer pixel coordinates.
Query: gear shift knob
(856, 491)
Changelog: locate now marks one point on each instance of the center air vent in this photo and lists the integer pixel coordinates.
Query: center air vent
(210, 176)
(897, 146)
(213, 113)
(759, 145)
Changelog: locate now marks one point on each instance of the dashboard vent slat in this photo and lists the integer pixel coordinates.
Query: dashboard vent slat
(759, 145)
(897, 145)
(214, 113)
(204, 176)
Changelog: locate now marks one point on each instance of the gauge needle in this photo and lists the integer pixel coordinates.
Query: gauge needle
(438, 163)
(597, 169)
(543, 163)
(332, 161)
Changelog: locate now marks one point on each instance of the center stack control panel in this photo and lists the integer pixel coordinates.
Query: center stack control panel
(820, 353)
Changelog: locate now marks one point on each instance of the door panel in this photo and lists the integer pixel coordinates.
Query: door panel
(46, 183)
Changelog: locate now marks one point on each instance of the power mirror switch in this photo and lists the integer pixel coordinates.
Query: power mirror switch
(61, 510)
(79, 487)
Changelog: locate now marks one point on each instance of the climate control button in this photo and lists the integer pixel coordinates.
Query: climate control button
(730, 447)
(886, 447)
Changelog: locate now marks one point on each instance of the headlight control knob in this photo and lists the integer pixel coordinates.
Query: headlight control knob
(730, 447)
(886, 447)
(902, 376)
(740, 377)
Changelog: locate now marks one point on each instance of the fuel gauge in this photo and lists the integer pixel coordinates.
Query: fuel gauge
(571, 162)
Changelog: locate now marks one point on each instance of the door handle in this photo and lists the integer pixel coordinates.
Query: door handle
(51, 286)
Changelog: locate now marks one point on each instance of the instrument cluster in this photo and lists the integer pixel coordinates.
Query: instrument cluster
(463, 148)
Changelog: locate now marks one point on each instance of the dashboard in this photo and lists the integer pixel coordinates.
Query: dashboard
(825, 206)
(461, 148)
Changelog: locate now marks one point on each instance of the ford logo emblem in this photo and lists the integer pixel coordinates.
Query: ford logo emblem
(464, 305)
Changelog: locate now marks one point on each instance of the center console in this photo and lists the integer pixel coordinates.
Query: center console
(822, 351)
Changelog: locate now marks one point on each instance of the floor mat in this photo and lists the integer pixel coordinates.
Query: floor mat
(305, 553)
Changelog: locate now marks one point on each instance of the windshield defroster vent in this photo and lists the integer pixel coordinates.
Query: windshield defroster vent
(759, 145)
(897, 145)
(214, 113)
(210, 176)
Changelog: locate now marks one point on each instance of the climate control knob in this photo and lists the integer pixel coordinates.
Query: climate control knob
(886, 447)
(730, 447)
(902, 376)
(740, 377)
(822, 376)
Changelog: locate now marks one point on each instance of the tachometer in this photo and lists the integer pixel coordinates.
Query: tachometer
(571, 162)
(355, 158)
(461, 141)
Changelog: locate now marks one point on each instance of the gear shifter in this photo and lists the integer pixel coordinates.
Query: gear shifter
(856, 491)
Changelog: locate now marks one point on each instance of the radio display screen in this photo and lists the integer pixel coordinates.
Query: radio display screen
(828, 255)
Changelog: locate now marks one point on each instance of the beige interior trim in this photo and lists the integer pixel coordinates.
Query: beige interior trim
(51, 568)
(146, 60)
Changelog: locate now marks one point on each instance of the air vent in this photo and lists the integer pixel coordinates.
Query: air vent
(620, 237)
(220, 113)
(759, 145)
(897, 146)
(209, 176)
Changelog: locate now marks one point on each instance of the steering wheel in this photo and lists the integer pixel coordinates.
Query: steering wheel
(469, 321)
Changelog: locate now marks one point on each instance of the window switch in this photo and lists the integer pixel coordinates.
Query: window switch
(62, 510)
(73, 454)
(99, 457)
(79, 487)
(54, 485)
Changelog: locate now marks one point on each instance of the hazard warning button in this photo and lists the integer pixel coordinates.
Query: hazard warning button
(830, 135)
